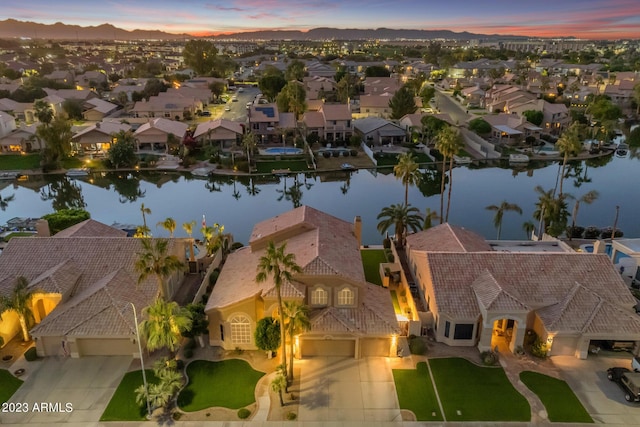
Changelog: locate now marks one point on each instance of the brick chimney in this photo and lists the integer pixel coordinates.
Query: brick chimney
(42, 228)
(357, 229)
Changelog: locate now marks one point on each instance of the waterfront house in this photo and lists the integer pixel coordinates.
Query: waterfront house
(376, 131)
(97, 138)
(332, 122)
(221, 132)
(158, 134)
(268, 124)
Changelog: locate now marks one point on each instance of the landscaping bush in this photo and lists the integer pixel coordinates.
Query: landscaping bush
(355, 140)
(243, 413)
(575, 232)
(388, 254)
(242, 165)
(313, 138)
(190, 344)
(416, 345)
(386, 243)
(591, 232)
(291, 416)
(539, 348)
(489, 358)
(179, 364)
(213, 277)
(335, 153)
(605, 233)
(353, 153)
(530, 337)
(326, 154)
(31, 354)
(188, 353)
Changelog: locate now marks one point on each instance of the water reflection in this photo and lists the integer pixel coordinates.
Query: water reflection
(64, 192)
(4, 201)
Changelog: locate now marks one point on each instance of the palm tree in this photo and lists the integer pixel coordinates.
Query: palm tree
(144, 230)
(161, 393)
(528, 227)
(188, 227)
(500, 210)
(164, 323)
(168, 224)
(249, 144)
(281, 266)
(279, 384)
(402, 217)
(19, 302)
(154, 260)
(429, 217)
(569, 144)
(544, 206)
(297, 316)
(448, 143)
(551, 211)
(407, 170)
(586, 198)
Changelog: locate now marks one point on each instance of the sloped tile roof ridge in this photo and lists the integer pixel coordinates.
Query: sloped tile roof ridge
(593, 314)
(335, 315)
(391, 328)
(50, 274)
(319, 266)
(287, 290)
(486, 288)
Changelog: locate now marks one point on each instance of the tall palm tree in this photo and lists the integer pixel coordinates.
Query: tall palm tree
(429, 217)
(551, 211)
(19, 302)
(407, 170)
(168, 224)
(544, 207)
(569, 144)
(500, 210)
(528, 227)
(144, 230)
(164, 323)
(297, 317)
(281, 266)
(449, 143)
(188, 227)
(154, 260)
(402, 217)
(249, 143)
(586, 198)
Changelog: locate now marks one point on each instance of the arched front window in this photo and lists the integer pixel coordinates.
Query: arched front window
(240, 329)
(319, 296)
(345, 296)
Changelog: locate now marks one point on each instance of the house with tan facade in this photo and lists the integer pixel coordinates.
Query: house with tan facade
(331, 122)
(349, 316)
(158, 134)
(268, 124)
(97, 138)
(84, 281)
(221, 132)
(484, 295)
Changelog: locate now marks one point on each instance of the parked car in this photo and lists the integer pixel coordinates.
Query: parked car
(206, 114)
(628, 381)
(227, 108)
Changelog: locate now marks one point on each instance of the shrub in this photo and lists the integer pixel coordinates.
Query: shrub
(489, 358)
(313, 138)
(243, 413)
(417, 346)
(188, 353)
(539, 348)
(591, 232)
(31, 354)
(575, 232)
(605, 233)
(242, 165)
(179, 364)
(326, 154)
(190, 345)
(291, 416)
(479, 126)
(353, 153)
(530, 337)
(213, 277)
(386, 243)
(388, 254)
(335, 153)
(355, 140)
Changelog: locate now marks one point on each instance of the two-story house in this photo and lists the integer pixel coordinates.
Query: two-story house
(332, 122)
(268, 124)
(349, 316)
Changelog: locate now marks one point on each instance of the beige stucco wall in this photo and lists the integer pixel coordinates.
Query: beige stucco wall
(252, 307)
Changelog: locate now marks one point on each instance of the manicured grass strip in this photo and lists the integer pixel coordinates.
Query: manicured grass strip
(9, 385)
(292, 165)
(228, 383)
(371, 260)
(415, 392)
(473, 393)
(19, 162)
(396, 305)
(123, 406)
(557, 397)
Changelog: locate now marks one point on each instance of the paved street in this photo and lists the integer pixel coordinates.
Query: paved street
(238, 111)
(447, 105)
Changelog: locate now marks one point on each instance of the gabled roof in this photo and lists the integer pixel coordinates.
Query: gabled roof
(106, 128)
(447, 238)
(491, 296)
(336, 112)
(91, 228)
(212, 125)
(60, 279)
(164, 125)
(370, 124)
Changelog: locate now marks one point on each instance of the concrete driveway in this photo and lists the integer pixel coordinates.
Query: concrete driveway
(603, 399)
(346, 389)
(86, 383)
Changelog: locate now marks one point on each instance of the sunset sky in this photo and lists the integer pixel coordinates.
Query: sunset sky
(602, 19)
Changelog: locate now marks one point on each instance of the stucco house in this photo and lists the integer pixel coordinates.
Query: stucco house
(331, 122)
(156, 134)
(378, 131)
(23, 138)
(85, 282)
(222, 132)
(349, 316)
(97, 138)
(268, 124)
(485, 297)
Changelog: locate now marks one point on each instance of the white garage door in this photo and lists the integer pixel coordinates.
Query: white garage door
(345, 348)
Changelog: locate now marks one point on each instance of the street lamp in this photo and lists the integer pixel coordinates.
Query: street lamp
(144, 374)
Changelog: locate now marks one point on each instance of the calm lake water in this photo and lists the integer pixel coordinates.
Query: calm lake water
(240, 203)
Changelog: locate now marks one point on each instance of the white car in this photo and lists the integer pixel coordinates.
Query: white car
(234, 99)
(240, 89)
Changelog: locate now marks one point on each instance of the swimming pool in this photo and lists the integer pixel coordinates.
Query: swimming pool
(549, 149)
(282, 150)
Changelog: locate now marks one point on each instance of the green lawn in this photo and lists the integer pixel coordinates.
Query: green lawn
(371, 260)
(396, 305)
(293, 165)
(17, 234)
(19, 162)
(473, 393)
(9, 385)
(557, 397)
(123, 406)
(415, 392)
(228, 383)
